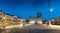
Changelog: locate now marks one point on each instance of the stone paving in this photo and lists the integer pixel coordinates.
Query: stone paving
(35, 28)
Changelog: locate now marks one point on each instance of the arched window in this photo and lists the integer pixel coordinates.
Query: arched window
(9, 20)
(15, 20)
(1, 19)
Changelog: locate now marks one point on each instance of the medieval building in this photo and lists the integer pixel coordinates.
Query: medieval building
(36, 20)
(6, 19)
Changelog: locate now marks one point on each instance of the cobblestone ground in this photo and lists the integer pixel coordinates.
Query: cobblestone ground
(1, 30)
(31, 29)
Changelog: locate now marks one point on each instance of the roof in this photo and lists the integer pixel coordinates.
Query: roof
(57, 17)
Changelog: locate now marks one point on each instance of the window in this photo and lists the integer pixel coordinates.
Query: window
(0, 13)
(9, 20)
(1, 19)
(15, 20)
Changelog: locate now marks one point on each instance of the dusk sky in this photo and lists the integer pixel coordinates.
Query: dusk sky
(25, 8)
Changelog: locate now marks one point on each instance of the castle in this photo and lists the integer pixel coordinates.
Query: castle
(6, 19)
(37, 20)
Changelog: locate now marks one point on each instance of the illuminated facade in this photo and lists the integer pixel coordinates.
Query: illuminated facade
(37, 20)
(32, 21)
(6, 19)
(56, 21)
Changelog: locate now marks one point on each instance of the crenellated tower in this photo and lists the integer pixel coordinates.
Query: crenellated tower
(39, 18)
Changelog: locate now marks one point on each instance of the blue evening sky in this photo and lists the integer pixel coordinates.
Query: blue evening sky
(25, 8)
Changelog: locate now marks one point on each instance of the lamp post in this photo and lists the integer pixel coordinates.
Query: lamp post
(50, 16)
(50, 10)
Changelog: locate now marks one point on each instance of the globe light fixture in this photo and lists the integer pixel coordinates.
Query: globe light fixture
(51, 10)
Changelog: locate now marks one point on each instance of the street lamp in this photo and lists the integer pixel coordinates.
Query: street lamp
(50, 10)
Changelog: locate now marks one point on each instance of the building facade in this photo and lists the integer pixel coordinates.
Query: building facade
(36, 20)
(56, 21)
(39, 18)
(6, 19)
